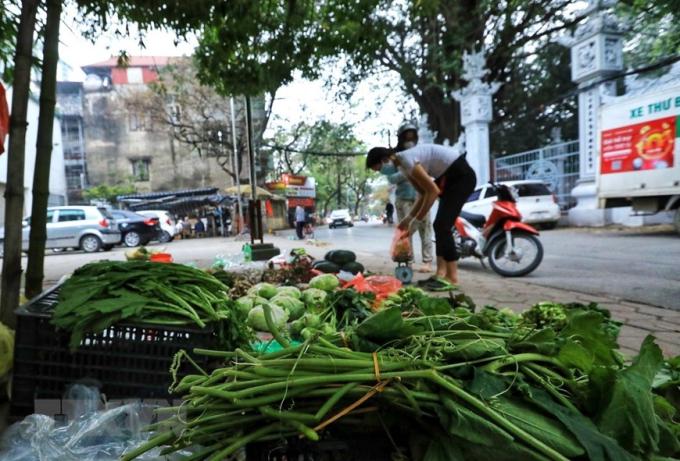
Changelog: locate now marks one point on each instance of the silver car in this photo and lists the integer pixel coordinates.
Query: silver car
(89, 228)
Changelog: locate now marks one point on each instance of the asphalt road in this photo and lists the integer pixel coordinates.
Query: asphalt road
(630, 264)
(641, 265)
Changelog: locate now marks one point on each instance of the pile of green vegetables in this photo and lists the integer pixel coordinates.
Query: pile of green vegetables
(439, 380)
(103, 293)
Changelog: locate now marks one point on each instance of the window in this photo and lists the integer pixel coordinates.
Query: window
(140, 122)
(490, 192)
(474, 196)
(140, 169)
(532, 190)
(71, 215)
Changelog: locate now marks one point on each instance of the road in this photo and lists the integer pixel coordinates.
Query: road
(634, 265)
(628, 264)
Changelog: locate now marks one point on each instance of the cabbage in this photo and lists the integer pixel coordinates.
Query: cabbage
(244, 304)
(265, 290)
(294, 307)
(257, 321)
(257, 300)
(293, 292)
(325, 282)
(313, 298)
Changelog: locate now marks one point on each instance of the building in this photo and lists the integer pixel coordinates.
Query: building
(70, 108)
(57, 177)
(124, 145)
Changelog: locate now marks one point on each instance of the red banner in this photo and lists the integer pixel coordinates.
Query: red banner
(303, 202)
(644, 146)
(4, 118)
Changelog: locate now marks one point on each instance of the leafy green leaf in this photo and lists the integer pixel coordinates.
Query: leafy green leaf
(629, 414)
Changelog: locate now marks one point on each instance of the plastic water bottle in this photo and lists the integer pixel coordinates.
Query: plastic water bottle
(247, 252)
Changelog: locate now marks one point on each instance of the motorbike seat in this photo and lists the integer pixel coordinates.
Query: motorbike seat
(476, 220)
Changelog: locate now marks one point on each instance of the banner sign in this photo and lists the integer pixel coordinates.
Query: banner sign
(643, 146)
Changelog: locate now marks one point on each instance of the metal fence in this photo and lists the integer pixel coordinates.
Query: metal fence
(557, 164)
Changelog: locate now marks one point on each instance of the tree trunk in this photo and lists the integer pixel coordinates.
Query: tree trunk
(14, 192)
(443, 114)
(43, 158)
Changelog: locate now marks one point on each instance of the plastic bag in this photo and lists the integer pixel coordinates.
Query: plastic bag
(380, 285)
(401, 249)
(90, 435)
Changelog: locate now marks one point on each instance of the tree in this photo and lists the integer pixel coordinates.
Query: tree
(41, 175)
(359, 182)
(109, 194)
(14, 189)
(196, 115)
(422, 42)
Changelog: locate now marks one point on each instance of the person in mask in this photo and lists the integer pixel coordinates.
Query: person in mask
(405, 194)
(454, 182)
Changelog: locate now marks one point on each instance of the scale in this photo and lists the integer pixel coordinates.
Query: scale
(403, 272)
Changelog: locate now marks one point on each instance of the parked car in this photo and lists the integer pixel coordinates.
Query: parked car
(88, 228)
(536, 203)
(136, 229)
(339, 218)
(166, 221)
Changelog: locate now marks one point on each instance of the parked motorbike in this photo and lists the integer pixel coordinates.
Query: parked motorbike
(510, 245)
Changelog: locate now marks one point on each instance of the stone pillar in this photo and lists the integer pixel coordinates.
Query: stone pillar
(476, 113)
(596, 53)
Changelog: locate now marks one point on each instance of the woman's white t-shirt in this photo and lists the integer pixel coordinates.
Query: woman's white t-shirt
(435, 159)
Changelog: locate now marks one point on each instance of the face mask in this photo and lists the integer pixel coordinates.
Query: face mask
(409, 144)
(388, 168)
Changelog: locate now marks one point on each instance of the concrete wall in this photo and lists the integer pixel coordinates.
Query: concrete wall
(111, 145)
(57, 176)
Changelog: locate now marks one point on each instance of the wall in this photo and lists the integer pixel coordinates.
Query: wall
(57, 176)
(111, 145)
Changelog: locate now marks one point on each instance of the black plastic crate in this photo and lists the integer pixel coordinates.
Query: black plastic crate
(126, 361)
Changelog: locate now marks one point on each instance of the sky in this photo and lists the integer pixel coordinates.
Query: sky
(375, 109)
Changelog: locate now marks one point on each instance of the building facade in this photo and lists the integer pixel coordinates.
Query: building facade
(126, 145)
(70, 108)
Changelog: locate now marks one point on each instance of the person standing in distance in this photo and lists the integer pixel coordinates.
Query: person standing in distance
(407, 137)
(454, 182)
(300, 220)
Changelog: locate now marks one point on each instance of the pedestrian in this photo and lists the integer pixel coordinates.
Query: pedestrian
(179, 227)
(454, 182)
(405, 194)
(389, 213)
(300, 220)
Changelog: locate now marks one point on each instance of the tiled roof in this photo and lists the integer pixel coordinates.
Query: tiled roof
(135, 61)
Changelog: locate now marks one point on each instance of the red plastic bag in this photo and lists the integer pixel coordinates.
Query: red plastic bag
(401, 250)
(381, 285)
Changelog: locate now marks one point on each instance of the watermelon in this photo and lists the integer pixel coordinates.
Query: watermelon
(341, 257)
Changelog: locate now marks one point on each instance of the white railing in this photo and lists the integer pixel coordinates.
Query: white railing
(557, 164)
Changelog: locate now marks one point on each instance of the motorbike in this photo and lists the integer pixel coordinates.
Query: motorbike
(511, 246)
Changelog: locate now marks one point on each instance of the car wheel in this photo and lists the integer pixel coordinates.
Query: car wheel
(132, 239)
(165, 237)
(549, 225)
(108, 247)
(90, 244)
(351, 224)
(676, 221)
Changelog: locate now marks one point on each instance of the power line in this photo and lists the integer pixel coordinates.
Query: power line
(313, 152)
(667, 61)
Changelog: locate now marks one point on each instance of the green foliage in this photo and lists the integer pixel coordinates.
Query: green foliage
(109, 193)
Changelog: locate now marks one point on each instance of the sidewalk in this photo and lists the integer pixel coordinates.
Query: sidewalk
(518, 294)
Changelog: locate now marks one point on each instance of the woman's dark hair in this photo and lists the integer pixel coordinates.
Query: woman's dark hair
(377, 155)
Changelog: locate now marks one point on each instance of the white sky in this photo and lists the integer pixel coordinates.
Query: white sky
(300, 100)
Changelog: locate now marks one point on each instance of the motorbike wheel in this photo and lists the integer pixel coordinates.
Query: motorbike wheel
(526, 258)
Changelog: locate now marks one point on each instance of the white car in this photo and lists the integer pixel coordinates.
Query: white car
(536, 203)
(167, 222)
(339, 218)
(88, 228)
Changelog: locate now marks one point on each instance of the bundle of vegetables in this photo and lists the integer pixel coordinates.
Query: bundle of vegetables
(100, 294)
(445, 384)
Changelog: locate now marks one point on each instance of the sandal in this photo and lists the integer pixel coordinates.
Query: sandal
(422, 283)
(438, 284)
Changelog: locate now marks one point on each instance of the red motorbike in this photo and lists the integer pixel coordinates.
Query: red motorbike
(511, 245)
